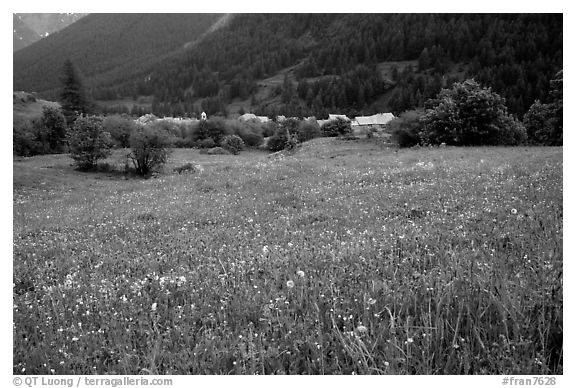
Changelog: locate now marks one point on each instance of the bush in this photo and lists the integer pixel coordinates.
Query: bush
(252, 139)
(541, 125)
(214, 128)
(88, 142)
(338, 127)
(54, 124)
(279, 141)
(120, 129)
(308, 130)
(233, 143)
(250, 132)
(25, 138)
(406, 129)
(206, 143)
(269, 128)
(468, 114)
(150, 149)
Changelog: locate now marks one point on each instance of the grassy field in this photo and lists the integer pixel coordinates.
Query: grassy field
(341, 258)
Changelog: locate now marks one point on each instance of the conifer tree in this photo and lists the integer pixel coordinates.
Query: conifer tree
(73, 96)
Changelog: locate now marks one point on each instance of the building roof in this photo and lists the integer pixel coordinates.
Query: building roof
(247, 117)
(334, 117)
(377, 119)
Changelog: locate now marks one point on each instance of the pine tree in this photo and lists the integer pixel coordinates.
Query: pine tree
(73, 96)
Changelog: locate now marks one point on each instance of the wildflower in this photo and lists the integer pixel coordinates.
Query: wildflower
(290, 284)
(300, 273)
(371, 301)
(154, 306)
(410, 340)
(265, 249)
(386, 363)
(513, 211)
(362, 329)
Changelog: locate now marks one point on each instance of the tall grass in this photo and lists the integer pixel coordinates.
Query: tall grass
(341, 258)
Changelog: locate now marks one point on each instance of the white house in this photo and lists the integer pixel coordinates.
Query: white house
(253, 117)
(376, 122)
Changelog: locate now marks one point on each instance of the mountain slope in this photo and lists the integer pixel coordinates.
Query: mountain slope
(336, 60)
(320, 62)
(106, 47)
(23, 35)
(41, 25)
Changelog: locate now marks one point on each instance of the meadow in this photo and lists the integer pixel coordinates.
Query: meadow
(342, 258)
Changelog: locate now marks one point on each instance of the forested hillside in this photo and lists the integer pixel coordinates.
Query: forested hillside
(106, 48)
(338, 61)
(352, 63)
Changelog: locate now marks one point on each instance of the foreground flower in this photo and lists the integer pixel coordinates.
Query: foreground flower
(154, 305)
(290, 284)
(362, 329)
(513, 211)
(300, 273)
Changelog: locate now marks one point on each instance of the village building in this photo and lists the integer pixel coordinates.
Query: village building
(252, 117)
(375, 123)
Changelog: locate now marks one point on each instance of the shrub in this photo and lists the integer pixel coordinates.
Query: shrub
(338, 127)
(406, 129)
(206, 143)
(541, 126)
(251, 139)
(88, 142)
(214, 128)
(468, 114)
(150, 149)
(269, 128)
(120, 129)
(54, 124)
(279, 141)
(308, 130)
(233, 143)
(24, 138)
(250, 132)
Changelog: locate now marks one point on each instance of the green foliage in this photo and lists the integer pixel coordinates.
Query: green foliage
(308, 130)
(406, 128)
(214, 128)
(26, 138)
(206, 143)
(88, 142)
(233, 143)
(269, 128)
(73, 96)
(44, 135)
(279, 141)
(516, 54)
(468, 114)
(250, 132)
(120, 128)
(150, 149)
(54, 123)
(543, 122)
(338, 127)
